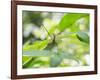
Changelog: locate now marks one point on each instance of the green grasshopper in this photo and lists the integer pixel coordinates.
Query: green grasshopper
(53, 38)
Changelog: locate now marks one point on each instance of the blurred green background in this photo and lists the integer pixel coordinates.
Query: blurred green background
(55, 39)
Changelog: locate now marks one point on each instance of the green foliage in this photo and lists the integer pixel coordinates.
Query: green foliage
(69, 19)
(25, 59)
(38, 53)
(57, 41)
(28, 63)
(55, 60)
(83, 37)
(38, 45)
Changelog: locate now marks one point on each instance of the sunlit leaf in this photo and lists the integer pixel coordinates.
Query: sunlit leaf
(28, 63)
(82, 36)
(75, 27)
(41, 62)
(25, 58)
(69, 19)
(65, 35)
(38, 45)
(35, 62)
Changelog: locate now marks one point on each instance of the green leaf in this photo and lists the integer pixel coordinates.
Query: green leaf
(34, 55)
(28, 63)
(82, 36)
(39, 62)
(65, 35)
(37, 53)
(37, 45)
(69, 19)
(25, 58)
(52, 29)
(36, 62)
(55, 60)
(75, 27)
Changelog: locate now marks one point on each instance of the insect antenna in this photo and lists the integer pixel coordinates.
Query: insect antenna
(47, 31)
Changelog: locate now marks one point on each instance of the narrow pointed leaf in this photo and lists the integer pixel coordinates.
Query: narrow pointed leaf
(28, 63)
(82, 36)
(38, 45)
(69, 19)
